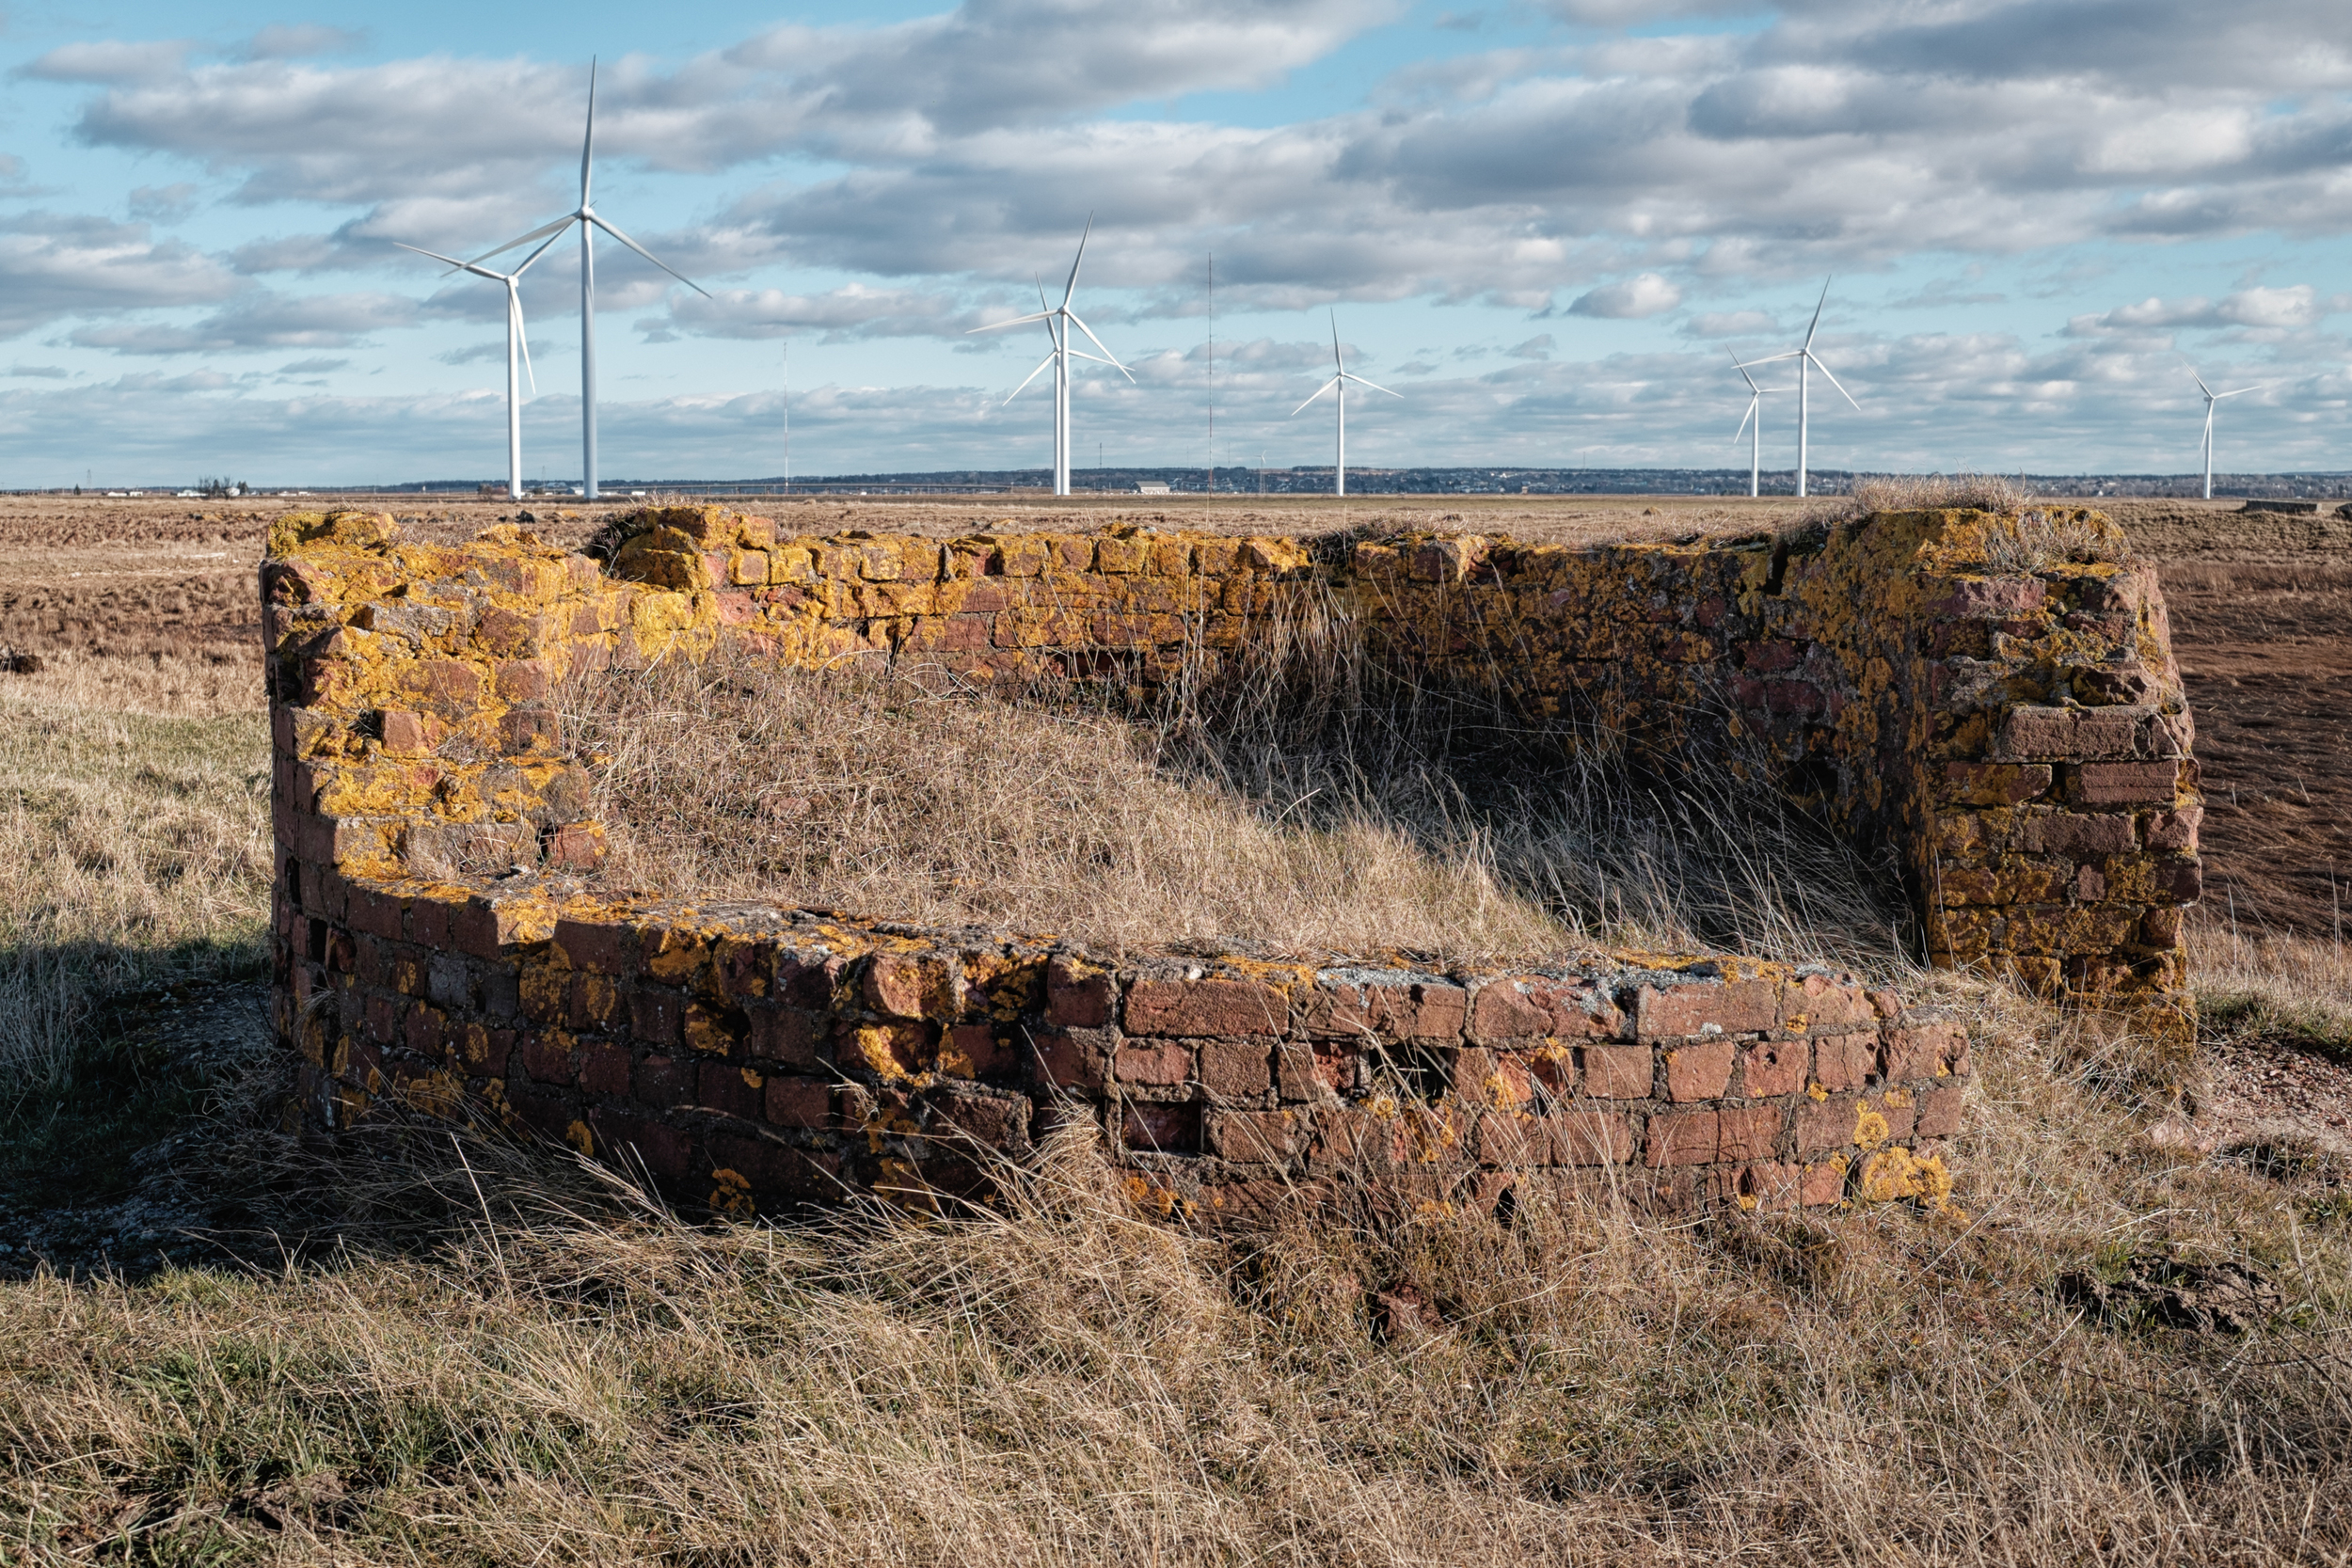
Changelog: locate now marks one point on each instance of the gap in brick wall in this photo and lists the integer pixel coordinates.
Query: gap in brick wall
(1300, 803)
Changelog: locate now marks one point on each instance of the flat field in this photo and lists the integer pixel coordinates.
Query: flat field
(2130, 1342)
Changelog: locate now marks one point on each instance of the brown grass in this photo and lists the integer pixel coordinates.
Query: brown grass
(1298, 803)
(134, 842)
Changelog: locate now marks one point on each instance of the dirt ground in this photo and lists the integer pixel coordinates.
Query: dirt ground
(2261, 605)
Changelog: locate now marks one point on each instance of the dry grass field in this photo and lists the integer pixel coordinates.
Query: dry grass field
(2129, 1346)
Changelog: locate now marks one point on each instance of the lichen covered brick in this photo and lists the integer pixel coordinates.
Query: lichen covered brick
(2020, 738)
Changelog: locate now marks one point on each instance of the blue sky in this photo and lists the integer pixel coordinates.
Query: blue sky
(1549, 224)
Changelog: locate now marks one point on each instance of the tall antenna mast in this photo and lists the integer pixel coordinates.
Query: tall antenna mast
(1211, 492)
(788, 415)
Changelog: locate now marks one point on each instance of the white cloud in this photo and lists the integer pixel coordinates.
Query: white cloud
(262, 322)
(301, 41)
(1646, 296)
(112, 61)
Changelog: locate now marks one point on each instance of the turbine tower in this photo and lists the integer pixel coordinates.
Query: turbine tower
(586, 216)
(515, 344)
(1806, 363)
(1756, 436)
(1058, 320)
(2213, 397)
(1341, 377)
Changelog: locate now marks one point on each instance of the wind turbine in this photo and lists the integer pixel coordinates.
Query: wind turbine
(1341, 377)
(585, 215)
(2213, 397)
(1756, 436)
(1807, 362)
(1058, 320)
(515, 344)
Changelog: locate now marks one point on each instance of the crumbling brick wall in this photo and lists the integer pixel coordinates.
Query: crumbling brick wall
(1995, 726)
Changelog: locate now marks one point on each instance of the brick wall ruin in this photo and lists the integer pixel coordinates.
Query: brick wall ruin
(2018, 732)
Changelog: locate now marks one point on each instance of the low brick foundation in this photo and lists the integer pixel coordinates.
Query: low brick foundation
(2019, 736)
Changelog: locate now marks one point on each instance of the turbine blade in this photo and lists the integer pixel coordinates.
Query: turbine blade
(1743, 374)
(1318, 393)
(2241, 391)
(1351, 375)
(536, 254)
(1753, 404)
(453, 261)
(522, 339)
(650, 257)
(1770, 359)
(1017, 321)
(1082, 327)
(1337, 363)
(2200, 381)
(1026, 379)
(1833, 381)
(544, 229)
(1072, 286)
(1817, 313)
(588, 142)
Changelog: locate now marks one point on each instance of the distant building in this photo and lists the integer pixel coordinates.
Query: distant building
(1151, 487)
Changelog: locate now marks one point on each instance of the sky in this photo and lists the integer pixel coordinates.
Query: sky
(1549, 225)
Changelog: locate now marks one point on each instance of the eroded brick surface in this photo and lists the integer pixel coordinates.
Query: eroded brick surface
(2019, 737)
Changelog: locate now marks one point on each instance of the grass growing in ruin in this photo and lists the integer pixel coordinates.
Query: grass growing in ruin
(1335, 816)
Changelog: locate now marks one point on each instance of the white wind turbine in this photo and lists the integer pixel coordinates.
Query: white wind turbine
(1058, 320)
(1807, 362)
(1755, 415)
(589, 219)
(1341, 377)
(515, 344)
(2213, 397)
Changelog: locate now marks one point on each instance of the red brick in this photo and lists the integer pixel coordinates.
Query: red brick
(1995, 783)
(736, 1091)
(1817, 1003)
(1301, 1072)
(1683, 1138)
(1161, 1065)
(799, 1102)
(2105, 784)
(663, 1080)
(1845, 1061)
(1350, 1009)
(978, 1050)
(1771, 1067)
(1939, 1112)
(1751, 1133)
(1824, 1183)
(899, 984)
(1733, 1006)
(1076, 994)
(1617, 1071)
(422, 1031)
(2085, 835)
(1205, 1007)
(1236, 1070)
(655, 1016)
(2174, 830)
(1170, 1129)
(1921, 1052)
(545, 1059)
(1582, 1137)
(784, 1035)
(1075, 1058)
(991, 1120)
(1531, 1006)
(604, 1070)
(1257, 1138)
(1826, 1126)
(1699, 1072)
(1505, 1139)
(607, 949)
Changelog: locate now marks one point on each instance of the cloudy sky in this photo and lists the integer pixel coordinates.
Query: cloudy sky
(1549, 224)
